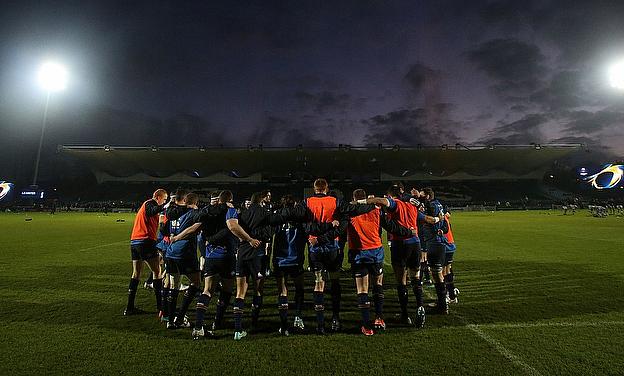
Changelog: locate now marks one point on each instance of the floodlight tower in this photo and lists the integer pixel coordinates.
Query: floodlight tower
(52, 78)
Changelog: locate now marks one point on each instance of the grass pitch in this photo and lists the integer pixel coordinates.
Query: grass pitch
(540, 294)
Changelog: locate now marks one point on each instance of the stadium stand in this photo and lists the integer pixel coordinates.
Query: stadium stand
(483, 176)
(345, 163)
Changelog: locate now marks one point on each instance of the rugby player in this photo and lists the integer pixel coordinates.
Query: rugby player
(288, 257)
(219, 265)
(405, 251)
(449, 243)
(267, 204)
(143, 248)
(173, 210)
(220, 258)
(323, 250)
(181, 259)
(250, 256)
(366, 255)
(434, 243)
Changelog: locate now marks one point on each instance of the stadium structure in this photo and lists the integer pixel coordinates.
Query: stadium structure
(462, 173)
(258, 164)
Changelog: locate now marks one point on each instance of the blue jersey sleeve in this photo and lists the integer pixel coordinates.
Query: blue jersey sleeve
(231, 214)
(392, 204)
(421, 216)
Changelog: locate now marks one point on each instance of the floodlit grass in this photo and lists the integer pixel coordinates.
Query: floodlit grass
(541, 293)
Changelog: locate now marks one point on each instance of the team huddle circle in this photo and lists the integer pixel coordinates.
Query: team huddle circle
(224, 251)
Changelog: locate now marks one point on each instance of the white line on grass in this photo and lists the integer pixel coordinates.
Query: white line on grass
(515, 359)
(568, 324)
(102, 246)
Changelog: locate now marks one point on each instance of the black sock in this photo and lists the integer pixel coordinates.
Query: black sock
(378, 298)
(441, 292)
(336, 293)
(158, 293)
(417, 286)
(150, 279)
(449, 280)
(282, 306)
(239, 305)
(173, 303)
(298, 300)
(202, 305)
(364, 306)
(165, 301)
(319, 308)
(132, 290)
(224, 301)
(256, 306)
(402, 292)
(189, 295)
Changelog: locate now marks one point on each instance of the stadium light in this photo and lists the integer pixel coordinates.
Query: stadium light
(616, 75)
(53, 78)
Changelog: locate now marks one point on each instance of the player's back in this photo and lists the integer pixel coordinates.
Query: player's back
(185, 247)
(322, 207)
(363, 231)
(145, 227)
(289, 245)
(433, 208)
(405, 215)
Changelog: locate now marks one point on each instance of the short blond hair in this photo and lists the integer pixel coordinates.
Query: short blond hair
(159, 193)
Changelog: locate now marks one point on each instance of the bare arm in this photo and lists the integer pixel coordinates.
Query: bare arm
(240, 233)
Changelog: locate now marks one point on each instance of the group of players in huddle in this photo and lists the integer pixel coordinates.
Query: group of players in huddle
(237, 244)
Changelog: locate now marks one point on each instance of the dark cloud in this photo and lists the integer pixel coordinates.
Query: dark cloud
(324, 101)
(516, 67)
(522, 131)
(277, 131)
(587, 123)
(413, 126)
(564, 91)
(575, 140)
(420, 76)
(519, 108)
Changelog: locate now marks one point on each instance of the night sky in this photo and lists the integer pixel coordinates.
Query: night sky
(283, 73)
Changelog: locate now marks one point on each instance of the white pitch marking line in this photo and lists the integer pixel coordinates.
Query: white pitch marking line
(549, 324)
(102, 246)
(515, 359)
(503, 350)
